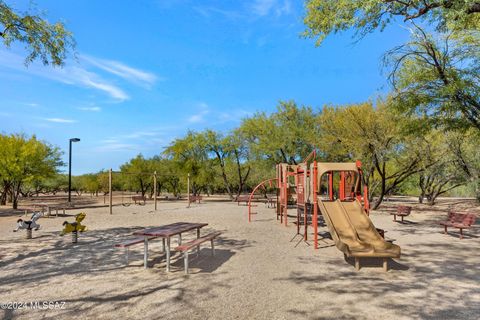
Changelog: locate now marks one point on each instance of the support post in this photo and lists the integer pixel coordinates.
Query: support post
(155, 189)
(110, 198)
(188, 190)
(315, 205)
(357, 263)
(385, 264)
(342, 186)
(285, 195)
(330, 185)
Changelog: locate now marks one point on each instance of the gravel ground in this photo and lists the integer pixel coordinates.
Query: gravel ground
(257, 273)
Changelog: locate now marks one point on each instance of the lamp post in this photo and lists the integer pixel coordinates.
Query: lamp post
(70, 168)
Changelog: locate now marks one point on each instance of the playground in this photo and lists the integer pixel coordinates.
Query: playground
(258, 271)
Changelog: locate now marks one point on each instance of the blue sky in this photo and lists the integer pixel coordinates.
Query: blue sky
(147, 71)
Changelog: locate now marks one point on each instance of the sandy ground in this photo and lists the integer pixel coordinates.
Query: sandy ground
(258, 272)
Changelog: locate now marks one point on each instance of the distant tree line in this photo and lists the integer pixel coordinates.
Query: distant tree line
(401, 154)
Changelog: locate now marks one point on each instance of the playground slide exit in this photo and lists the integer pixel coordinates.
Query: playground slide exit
(353, 231)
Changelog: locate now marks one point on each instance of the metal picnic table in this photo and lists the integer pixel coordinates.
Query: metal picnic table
(166, 232)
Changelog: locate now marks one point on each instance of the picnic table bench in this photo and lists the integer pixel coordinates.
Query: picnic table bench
(130, 242)
(139, 199)
(402, 211)
(186, 247)
(193, 199)
(271, 202)
(459, 220)
(166, 232)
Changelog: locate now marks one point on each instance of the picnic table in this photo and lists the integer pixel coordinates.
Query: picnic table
(166, 232)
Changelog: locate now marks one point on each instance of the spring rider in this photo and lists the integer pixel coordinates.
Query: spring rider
(75, 227)
(29, 225)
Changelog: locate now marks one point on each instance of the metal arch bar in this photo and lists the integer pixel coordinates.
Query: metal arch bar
(252, 194)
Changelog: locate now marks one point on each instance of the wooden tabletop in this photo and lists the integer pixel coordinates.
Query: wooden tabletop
(170, 229)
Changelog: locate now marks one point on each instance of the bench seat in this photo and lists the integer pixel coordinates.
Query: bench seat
(402, 211)
(130, 242)
(195, 243)
(458, 220)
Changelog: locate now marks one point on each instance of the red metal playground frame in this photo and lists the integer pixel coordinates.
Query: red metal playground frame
(250, 198)
(306, 195)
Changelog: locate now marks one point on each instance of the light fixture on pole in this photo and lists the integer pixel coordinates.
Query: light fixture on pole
(70, 167)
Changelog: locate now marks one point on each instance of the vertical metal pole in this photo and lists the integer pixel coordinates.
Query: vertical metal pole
(330, 186)
(145, 252)
(168, 254)
(155, 189)
(285, 181)
(342, 185)
(110, 190)
(69, 171)
(315, 206)
(188, 190)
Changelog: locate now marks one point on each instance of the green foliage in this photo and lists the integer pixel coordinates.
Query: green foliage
(287, 135)
(439, 173)
(325, 17)
(375, 136)
(136, 175)
(43, 40)
(437, 78)
(23, 161)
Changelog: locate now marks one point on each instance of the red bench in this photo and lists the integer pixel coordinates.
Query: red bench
(194, 199)
(140, 199)
(187, 246)
(242, 198)
(459, 220)
(402, 211)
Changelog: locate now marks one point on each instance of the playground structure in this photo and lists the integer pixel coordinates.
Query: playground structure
(29, 225)
(335, 193)
(74, 227)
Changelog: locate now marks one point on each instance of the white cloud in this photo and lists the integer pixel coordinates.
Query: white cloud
(92, 109)
(233, 116)
(70, 74)
(115, 147)
(200, 116)
(122, 70)
(31, 104)
(59, 120)
(265, 7)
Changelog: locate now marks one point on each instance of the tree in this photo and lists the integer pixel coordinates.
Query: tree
(43, 40)
(287, 135)
(375, 136)
(137, 174)
(439, 173)
(220, 147)
(23, 160)
(438, 76)
(191, 157)
(464, 146)
(324, 17)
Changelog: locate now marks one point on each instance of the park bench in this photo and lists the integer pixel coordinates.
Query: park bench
(193, 199)
(459, 220)
(402, 211)
(139, 199)
(187, 246)
(128, 243)
(242, 198)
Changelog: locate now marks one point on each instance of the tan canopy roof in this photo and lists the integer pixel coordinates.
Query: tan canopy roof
(336, 166)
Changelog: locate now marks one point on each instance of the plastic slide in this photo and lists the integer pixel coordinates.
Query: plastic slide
(353, 231)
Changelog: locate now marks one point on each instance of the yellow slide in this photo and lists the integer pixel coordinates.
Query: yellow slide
(353, 231)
